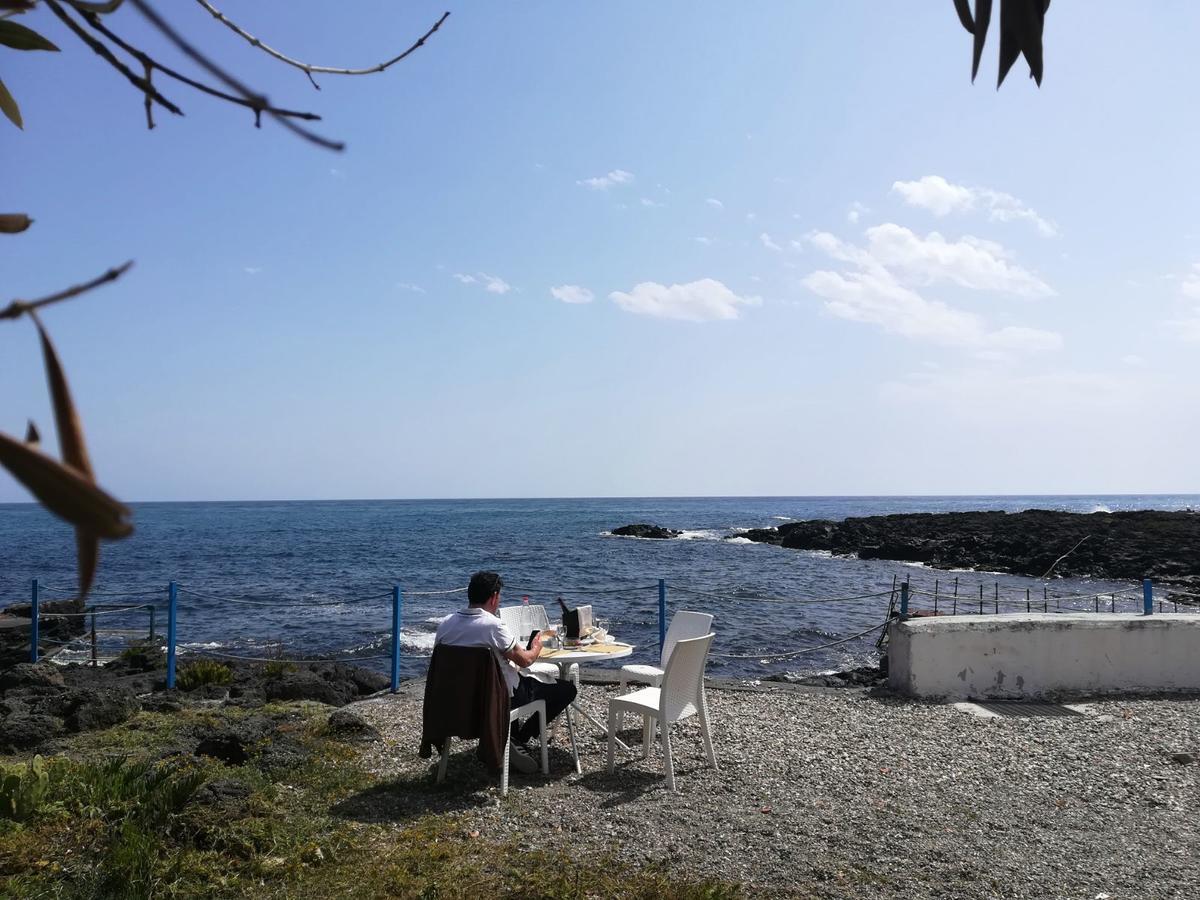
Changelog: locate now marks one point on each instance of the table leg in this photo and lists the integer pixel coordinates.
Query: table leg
(574, 746)
(603, 728)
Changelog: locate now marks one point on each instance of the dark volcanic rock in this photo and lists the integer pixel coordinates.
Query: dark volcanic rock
(31, 675)
(865, 676)
(643, 530)
(25, 731)
(350, 726)
(1123, 546)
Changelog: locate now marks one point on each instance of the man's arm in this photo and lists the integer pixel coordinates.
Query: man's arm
(523, 657)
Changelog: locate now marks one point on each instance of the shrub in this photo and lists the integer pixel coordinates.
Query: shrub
(23, 789)
(201, 672)
(277, 668)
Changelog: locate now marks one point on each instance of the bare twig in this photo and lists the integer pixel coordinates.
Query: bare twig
(18, 308)
(1046, 574)
(309, 68)
(102, 9)
(257, 102)
(146, 60)
(142, 84)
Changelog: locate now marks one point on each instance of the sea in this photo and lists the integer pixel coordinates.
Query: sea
(315, 579)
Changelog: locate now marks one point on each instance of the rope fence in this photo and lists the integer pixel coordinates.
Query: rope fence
(903, 599)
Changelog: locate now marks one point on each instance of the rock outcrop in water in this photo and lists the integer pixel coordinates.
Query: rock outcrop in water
(1164, 546)
(643, 530)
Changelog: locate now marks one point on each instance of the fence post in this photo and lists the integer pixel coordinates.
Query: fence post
(662, 615)
(33, 622)
(172, 600)
(1147, 597)
(151, 608)
(397, 600)
(904, 599)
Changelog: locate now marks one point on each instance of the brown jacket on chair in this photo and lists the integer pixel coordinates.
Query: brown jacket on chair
(465, 697)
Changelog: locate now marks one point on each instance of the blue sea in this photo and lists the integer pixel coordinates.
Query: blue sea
(309, 579)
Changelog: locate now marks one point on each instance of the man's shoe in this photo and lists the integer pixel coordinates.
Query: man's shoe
(521, 761)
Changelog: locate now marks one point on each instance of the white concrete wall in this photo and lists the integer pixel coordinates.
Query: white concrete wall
(1034, 654)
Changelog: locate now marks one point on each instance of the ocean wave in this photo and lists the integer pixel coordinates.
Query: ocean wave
(1100, 508)
(419, 640)
(783, 518)
(739, 540)
(700, 534)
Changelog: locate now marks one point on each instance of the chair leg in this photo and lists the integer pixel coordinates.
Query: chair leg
(668, 762)
(706, 732)
(574, 746)
(504, 770)
(613, 715)
(545, 752)
(441, 771)
(647, 735)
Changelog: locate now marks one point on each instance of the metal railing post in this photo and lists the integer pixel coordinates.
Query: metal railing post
(172, 600)
(151, 608)
(1147, 597)
(904, 599)
(33, 622)
(662, 615)
(397, 601)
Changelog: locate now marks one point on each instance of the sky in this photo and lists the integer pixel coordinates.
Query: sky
(620, 249)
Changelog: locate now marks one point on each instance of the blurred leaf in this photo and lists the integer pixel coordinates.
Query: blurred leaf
(18, 6)
(9, 107)
(66, 418)
(31, 435)
(963, 8)
(983, 18)
(21, 38)
(87, 548)
(64, 491)
(14, 223)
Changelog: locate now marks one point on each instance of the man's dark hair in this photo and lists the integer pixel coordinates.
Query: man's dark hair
(482, 586)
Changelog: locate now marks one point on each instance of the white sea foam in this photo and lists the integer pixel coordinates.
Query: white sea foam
(738, 540)
(783, 518)
(700, 534)
(1099, 508)
(437, 620)
(419, 640)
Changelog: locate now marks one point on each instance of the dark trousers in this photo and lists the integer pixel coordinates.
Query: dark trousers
(557, 696)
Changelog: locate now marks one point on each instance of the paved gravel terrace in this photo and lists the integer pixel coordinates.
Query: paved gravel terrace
(846, 793)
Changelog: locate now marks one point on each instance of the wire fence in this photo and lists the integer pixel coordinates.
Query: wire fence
(98, 644)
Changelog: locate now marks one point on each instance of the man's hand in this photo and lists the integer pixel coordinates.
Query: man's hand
(523, 657)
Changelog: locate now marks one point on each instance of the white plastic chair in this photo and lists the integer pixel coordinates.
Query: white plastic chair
(684, 625)
(526, 618)
(536, 706)
(680, 696)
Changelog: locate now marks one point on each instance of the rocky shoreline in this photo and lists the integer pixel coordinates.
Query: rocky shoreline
(1122, 546)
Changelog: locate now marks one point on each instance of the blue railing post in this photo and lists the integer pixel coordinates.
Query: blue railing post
(904, 599)
(33, 622)
(397, 602)
(662, 615)
(172, 601)
(1147, 597)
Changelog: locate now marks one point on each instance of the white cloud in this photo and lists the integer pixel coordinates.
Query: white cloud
(750, 217)
(1188, 329)
(768, 243)
(706, 241)
(652, 204)
(409, 286)
(252, 270)
(856, 211)
(1190, 286)
(604, 182)
(941, 197)
(493, 284)
(715, 203)
(970, 262)
(705, 300)
(572, 293)
(879, 288)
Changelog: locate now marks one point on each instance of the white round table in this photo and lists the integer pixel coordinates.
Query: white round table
(570, 656)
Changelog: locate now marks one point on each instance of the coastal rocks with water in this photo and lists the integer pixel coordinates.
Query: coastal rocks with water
(1164, 546)
(645, 530)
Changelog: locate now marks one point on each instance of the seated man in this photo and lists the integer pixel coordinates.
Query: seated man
(479, 626)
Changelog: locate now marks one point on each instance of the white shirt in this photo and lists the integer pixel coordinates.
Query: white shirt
(476, 627)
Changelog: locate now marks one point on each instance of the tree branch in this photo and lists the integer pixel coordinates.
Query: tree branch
(142, 84)
(309, 68)
(18, 308)
(257, 102)
(148, 61)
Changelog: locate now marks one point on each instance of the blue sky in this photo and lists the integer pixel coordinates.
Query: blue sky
(816, 259)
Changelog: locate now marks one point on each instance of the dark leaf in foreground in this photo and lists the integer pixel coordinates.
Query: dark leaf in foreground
(963, 8)
(9, 107)
(983, 18)
(19, 37)
(14, 223)
(31, 435)
(66, 418)
(64, 491)
(87, 548)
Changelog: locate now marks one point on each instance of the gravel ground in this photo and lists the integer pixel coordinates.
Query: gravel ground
(847, 794)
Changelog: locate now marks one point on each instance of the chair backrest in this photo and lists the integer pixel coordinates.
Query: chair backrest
(684, 678)
(523, 619)
(684, 625)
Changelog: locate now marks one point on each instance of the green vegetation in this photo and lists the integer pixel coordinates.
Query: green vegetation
(22, 789)
(129, 812)
(277, 668)
(202, 672)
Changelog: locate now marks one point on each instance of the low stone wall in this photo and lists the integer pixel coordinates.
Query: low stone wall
(1034, 654)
